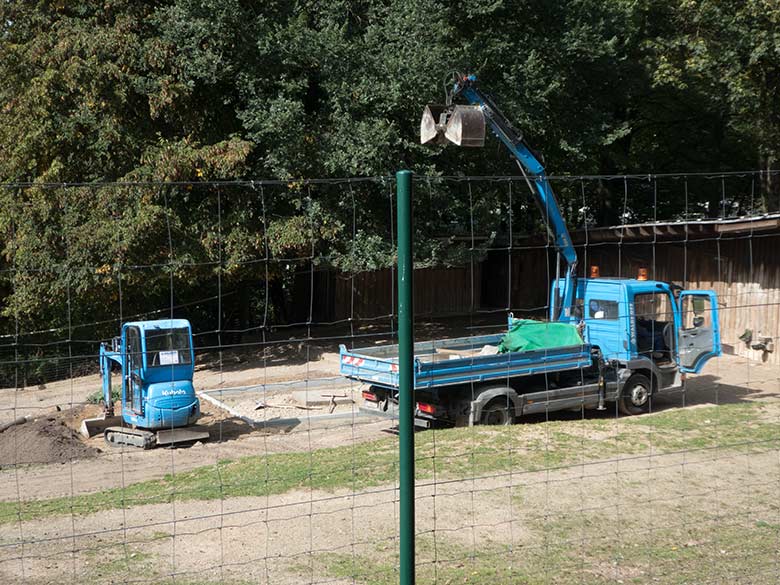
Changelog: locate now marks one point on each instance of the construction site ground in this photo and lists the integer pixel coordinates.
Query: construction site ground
(90, 465)
(496, 513)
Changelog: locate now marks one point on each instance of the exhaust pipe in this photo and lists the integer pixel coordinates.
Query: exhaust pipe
(461, 125)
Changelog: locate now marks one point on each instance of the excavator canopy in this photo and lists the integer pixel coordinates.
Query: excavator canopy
(461, 125)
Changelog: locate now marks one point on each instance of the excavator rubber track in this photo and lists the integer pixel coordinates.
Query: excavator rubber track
(119, 436)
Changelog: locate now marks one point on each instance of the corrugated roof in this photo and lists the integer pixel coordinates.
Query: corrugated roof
(680, 229)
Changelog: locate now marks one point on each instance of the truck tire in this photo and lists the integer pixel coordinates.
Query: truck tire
(635, 395)
(497, 412)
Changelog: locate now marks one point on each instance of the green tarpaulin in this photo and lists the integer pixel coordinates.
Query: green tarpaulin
(527, 334)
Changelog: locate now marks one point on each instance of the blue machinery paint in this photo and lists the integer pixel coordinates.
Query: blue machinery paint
(613, 334)
(154, 395)
(617, 338)
(379, 365)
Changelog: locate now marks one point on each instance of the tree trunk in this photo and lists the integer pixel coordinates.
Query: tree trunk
(769, 184)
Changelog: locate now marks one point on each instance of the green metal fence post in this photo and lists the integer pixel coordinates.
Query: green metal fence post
(406, 376)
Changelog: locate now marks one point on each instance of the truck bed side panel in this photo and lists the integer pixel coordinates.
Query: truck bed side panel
(506, 365)
(458, 361)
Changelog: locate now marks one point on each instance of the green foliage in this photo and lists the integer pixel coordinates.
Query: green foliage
(200, 90)
(300, 235)
(723, 58)
(295, 89)
(365, 252)
(97, 396)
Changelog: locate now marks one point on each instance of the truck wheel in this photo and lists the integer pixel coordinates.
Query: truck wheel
(496, 412)
(635, 396)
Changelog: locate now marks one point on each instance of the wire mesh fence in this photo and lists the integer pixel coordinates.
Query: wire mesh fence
(290, 285)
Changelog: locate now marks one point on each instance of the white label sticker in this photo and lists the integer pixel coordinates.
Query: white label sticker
(169, 357)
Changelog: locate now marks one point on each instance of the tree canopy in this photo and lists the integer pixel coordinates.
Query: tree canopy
(194, 91)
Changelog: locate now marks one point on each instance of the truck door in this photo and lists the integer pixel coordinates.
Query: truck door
(698, 338)
(134, 363)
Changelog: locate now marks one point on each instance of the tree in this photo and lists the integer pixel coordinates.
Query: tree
(728, 53)
(185, 92)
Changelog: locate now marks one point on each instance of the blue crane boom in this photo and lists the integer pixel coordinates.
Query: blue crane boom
(456, 120)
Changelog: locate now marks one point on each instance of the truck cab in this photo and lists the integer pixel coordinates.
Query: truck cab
(645, 324)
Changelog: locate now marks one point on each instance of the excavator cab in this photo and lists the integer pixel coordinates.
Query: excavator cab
(158, 402)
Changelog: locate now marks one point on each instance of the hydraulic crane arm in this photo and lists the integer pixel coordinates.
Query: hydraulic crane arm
(462, 124)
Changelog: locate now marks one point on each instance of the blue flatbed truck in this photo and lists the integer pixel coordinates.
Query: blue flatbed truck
(640, 337)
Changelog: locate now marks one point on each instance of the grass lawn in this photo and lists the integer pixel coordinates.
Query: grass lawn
(451, 454)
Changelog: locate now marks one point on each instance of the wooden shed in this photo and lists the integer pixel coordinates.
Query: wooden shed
(739, 258)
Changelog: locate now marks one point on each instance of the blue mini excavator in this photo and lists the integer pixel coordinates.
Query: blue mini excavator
(157, 400)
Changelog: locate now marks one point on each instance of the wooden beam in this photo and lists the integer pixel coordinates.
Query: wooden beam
(747, 226)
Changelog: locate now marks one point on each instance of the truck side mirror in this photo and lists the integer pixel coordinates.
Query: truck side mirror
(698, 321)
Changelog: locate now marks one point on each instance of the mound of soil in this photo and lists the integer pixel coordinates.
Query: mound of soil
(43, 440)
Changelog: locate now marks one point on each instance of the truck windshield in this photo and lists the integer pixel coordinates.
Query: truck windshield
(168, 347)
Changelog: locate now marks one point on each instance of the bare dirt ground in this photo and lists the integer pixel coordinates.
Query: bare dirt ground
(725, 380)
(73, 473)
(611, 508)
(48, 439)
(38, 401)
(614, 506)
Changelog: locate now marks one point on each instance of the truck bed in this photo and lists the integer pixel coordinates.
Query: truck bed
(462, 360)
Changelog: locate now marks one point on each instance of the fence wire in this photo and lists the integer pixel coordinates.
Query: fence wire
(282, 281)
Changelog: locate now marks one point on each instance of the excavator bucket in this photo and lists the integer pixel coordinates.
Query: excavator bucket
(96, 426)
(462, 125)
(433, 123)
(466, 126)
